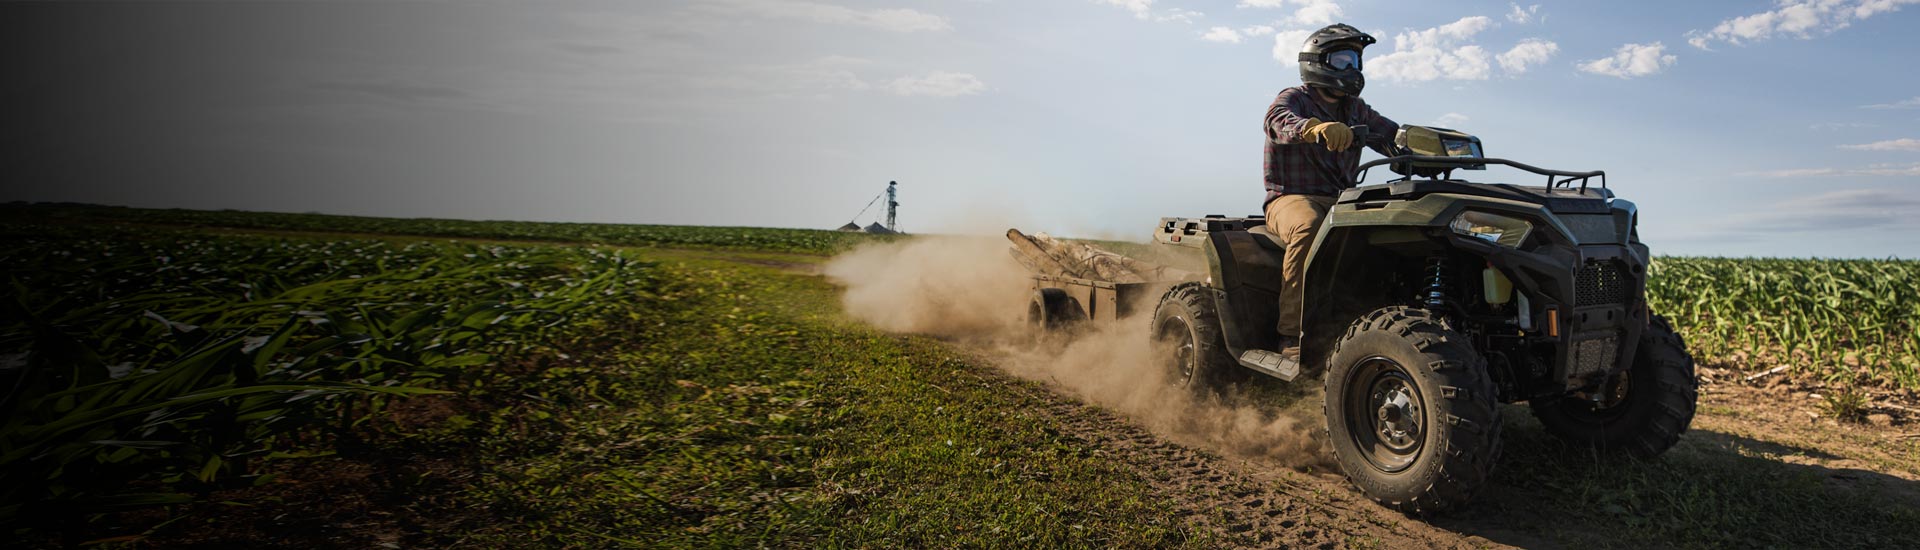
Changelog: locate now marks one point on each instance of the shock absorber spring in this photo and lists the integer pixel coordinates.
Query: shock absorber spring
(1436, 297)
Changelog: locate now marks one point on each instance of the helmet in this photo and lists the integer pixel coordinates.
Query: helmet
(1331, 58)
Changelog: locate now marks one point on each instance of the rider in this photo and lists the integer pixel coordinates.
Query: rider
(1310, 155)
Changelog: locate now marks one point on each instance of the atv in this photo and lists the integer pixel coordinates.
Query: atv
(1429, 302)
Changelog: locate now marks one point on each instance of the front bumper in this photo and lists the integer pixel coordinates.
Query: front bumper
(1587, 304)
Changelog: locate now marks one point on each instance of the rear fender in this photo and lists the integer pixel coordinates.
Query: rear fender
(1246, 288)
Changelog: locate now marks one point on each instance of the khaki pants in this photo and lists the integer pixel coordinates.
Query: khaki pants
(1295, 219)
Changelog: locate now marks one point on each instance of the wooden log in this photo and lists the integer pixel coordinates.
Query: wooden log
(1038, 257)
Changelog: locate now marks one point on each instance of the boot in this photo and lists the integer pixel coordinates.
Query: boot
(1290, 347)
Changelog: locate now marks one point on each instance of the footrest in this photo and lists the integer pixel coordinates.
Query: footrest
(1271, 363)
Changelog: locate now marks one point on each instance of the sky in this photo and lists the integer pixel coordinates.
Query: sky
(1740, 128)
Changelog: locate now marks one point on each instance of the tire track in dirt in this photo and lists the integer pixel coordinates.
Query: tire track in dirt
(1239, 501)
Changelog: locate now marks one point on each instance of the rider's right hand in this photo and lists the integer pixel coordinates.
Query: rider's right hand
(1337, 136)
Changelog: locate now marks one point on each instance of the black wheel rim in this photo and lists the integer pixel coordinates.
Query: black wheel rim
(1176, 338)
(1386, 415)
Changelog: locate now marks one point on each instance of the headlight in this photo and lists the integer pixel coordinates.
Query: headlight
(1502, 230)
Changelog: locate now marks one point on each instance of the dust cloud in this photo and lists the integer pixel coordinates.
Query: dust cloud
(948, 286)
(970, 291)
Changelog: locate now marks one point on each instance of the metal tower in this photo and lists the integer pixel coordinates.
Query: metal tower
(891, 206)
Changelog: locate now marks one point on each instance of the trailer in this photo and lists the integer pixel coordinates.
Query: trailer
(1076, 283)
(1062, 302)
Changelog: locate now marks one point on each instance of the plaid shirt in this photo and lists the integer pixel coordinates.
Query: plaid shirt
(1295, 166)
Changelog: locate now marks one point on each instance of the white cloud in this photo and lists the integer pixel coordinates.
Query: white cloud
(1525, 15)
(937, 84)
(896, 19)
(1449, 120)
(825, 77)
(819, 78)
(1526, 54)
(1306, 12)
(1286, 45)
(1179, 15)
(1316, 12)
(1869, 170)
(1856, 198)
(1257, 30)
(1632, 60)
(1902, 104)
(834, 72)
(1436, 53)
(1465, 28)
(1870, 8)
(1795, 18)
(1223, 35)
(1902, 144)
(1141, 9)
(1833, 210)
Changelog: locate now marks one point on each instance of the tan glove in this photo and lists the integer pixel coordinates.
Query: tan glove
(1337, 136)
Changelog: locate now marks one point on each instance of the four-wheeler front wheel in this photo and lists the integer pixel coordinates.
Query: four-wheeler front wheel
(1654, 405)
(1411, 411)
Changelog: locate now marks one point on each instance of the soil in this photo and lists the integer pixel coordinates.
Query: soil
(1251, 502)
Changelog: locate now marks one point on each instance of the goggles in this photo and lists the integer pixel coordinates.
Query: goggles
(1342, 60)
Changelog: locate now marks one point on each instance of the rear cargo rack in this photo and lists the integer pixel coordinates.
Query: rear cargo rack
(1463, 162)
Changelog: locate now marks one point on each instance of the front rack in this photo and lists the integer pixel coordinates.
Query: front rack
(1462, 162)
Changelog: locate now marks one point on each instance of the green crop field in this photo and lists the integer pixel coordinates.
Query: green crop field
(179, 378)
(1849, 321)
(147, 371)
(164, 380)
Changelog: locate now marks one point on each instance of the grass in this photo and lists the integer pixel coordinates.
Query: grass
(730, 405)
(757, 416)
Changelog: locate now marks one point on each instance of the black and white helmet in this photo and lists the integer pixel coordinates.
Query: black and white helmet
(1331, 58)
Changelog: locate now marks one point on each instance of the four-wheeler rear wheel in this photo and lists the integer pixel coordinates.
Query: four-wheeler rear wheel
(1648, 410)
(1411, 411)
(1187, 340)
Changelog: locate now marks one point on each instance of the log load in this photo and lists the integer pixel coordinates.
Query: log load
(1046, 255)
